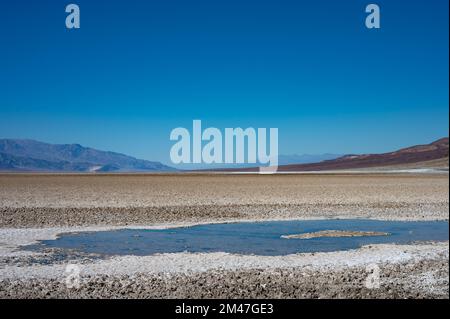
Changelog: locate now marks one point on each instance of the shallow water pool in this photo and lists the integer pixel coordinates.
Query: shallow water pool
(258, 238)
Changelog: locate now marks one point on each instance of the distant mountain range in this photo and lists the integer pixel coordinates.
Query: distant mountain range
(282, 160)
(435, 153)
(33, 156)
(30, 155)
(306, 158)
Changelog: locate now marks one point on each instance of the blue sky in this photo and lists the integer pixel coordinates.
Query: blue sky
(137, 69)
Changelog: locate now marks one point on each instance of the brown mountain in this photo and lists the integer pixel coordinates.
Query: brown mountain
(436, 152)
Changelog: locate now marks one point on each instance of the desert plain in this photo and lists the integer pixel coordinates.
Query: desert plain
(37, 207)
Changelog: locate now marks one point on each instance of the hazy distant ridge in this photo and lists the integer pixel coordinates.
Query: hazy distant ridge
(30, 155)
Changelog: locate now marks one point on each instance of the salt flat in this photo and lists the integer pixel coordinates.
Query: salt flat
(40, 206)
(73, 200)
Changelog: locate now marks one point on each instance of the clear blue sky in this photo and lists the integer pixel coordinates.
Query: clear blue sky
(137, 69)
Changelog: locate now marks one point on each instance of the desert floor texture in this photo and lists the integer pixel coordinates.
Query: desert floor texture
(41, 206)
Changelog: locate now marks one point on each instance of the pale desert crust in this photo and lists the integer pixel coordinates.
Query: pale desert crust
(415, 279)
(129, 191)
(29, 204)
(30, 201)
(334, 233)
(407, 271)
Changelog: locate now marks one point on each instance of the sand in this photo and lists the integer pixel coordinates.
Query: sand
(37, 207)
